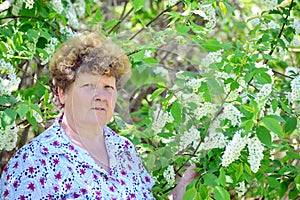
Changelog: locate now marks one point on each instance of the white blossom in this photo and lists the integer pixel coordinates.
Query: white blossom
(161, 71)
(190, 136)
(270, 4)
(194, 83)
(169, 175)
(233, 149)
(38, 117)
(8, 137)
(208, 13)
(273, 25)
(295, 93)
(148, 54)
(71, 15)
(254, 22)
(296, 25)
(205, 109)
(255, 149)
(65, 30)
(210, 58)
(263, 93)
(50, 49)
(231, 113)
(241, 188)
(29, 4)
(214, 140)
(161, 117)
(295, 42)
(11, 83)
(79, 7)
(171, 2)
(17, 6)
(186, 98)
(57, 6)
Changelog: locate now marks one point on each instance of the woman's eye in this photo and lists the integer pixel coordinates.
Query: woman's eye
(88, 85)
(109, 86)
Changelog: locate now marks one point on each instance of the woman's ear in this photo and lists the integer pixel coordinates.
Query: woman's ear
(61, 95)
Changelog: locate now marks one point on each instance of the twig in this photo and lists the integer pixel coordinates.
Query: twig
(120, 21)
(153, 20)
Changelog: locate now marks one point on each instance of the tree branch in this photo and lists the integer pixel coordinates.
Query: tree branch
(153, 20)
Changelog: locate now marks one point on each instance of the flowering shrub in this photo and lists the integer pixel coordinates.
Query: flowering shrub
(214, 84)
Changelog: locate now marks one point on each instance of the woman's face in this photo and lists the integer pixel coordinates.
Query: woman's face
(90, 101)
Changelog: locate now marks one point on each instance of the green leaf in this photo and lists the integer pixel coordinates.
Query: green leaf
(157, 92)
(264, 135)
(274, 104)
(8, 117)
(297, 182)
(221, 194)
(268, 57)
(32, 121)
(293, 155)
(176, 111)
(203, 191)
(138, 4)
(290, 125)
(273, 182)
(234, 85)
(263, 78)
(190, 194)
(273, 125)
(110, 23)
(210, 179)
(22, 110)
(238, 171)
(222, 177)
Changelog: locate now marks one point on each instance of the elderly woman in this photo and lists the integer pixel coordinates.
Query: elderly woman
(79, 156)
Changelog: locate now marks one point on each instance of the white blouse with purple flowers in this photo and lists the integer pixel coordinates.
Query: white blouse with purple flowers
(52, 167)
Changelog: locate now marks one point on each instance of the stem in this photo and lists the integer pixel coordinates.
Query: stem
(280, 33)
(120, 21)
(153, 20)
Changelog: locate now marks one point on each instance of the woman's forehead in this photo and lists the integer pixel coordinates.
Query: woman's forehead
(94, 77)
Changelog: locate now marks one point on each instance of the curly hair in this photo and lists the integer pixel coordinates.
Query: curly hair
(87, 53)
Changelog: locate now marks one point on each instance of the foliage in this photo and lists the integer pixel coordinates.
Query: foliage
(215, 84)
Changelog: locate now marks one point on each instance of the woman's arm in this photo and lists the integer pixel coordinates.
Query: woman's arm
(188, 176)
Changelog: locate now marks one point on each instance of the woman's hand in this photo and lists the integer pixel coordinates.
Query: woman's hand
(188, 176)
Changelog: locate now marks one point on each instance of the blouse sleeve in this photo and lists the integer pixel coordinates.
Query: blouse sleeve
(23, 177)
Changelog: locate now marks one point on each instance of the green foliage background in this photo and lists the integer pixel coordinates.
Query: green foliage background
(168, 43)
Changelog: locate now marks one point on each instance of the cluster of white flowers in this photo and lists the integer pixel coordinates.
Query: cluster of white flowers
(161, 117)
(256, 149)
(50, 48)
(194, 83)
(11, 83)
(17, 7)
(270, 4)
(29, 4)
(296, 25)
(190, 98)
(8, 137)
(263, 93)
(71, 15)
(295, 93)
(171, 2)
(210, 58)
(214, 140)
(79, 7)
(205, 109)
(189, 137)
(161, 71)
(208, 13)
(231, 113)
(241, 188)
(254, 22)
(169, 175)
(65, 30)
(57, 6)
(296, 41)
(233, 149)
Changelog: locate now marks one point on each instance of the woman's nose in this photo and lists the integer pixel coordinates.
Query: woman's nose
(100, 94)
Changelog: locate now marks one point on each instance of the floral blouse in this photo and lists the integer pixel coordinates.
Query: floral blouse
(52, 167)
